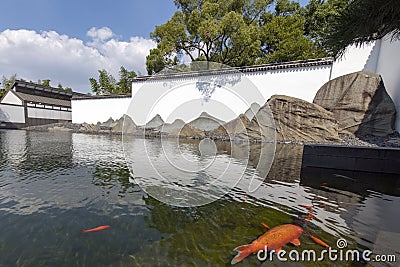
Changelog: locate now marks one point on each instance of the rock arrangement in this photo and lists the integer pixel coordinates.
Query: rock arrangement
(360, 103)
(354, 109)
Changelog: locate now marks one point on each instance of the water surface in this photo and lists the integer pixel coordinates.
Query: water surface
(53, 185)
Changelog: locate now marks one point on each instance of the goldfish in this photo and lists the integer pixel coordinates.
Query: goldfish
(274, 239)
(99, 228)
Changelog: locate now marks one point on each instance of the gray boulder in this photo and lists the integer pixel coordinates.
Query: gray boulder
(124, 124)
(206, 122)
(252, 111)
(360, 103)
(169, 127)
(294, 120)
(155, 122)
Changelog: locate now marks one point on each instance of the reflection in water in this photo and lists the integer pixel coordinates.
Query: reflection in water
(52, 185)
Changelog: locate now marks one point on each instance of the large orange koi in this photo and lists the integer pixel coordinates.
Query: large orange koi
(99, 228)
(277, 237)
(274, 239)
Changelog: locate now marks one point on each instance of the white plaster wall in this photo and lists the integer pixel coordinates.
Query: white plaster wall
(13, 114)
(10, 98)
(302, 83)
(98, 110)
(357, 59)
(49, 114)
(389, 68)
(180, 99)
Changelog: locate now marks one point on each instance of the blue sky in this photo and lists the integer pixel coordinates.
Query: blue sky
(67, 41)
(74, 18)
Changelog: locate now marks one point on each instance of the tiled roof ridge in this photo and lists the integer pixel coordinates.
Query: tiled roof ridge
(245, 69)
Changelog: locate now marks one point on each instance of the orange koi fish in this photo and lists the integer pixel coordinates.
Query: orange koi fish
(274, 239)
(99, 228)
(277, 237)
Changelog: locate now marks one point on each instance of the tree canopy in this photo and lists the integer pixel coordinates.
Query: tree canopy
(242, 32)
(363, 21)
(107, 84)
(6, 83)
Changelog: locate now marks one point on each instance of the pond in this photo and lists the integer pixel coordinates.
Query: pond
(53, 185)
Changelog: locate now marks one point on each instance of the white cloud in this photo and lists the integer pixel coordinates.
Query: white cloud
(49, 55)
(101, 34)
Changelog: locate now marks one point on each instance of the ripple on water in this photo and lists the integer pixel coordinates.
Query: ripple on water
(54, 185)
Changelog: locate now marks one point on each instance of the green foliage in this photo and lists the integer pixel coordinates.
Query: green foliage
(220, 31)
(284, 40)
(363, 21)
(320, 16)
(107, 84)
(6, 83)
(46, 82)
(243, 32)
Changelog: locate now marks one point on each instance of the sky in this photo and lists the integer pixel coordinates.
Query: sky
(67, 41)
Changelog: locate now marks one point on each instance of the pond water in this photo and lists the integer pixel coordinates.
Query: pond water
(53, 185)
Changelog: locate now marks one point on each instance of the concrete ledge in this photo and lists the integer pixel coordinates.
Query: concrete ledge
(364, 159)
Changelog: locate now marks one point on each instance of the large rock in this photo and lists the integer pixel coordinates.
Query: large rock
(108, 124)
(124, 124)
(360, 103)
(90, 128)
(252, 111)
(169, 127)
(155, 122)
(294, 119)
(232, 127)
(206, 122)
(187, 131)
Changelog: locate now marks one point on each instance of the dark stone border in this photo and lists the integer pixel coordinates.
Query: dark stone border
(363, 159)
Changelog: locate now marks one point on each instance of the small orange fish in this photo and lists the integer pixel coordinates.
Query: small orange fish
(274, 239)
(99, 228)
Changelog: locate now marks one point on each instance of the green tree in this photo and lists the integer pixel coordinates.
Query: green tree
(363, 21)
(46, 82)
(283, 39)
(124, 85)
(320, 15)
(6, 83)
(107, 84)
(242, 32)
(220, 31)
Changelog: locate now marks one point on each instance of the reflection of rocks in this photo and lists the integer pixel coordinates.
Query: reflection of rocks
(360, 103)
(286, 161)
(206, 122)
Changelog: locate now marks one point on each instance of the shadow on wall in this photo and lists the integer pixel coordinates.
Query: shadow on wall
(372, 62)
